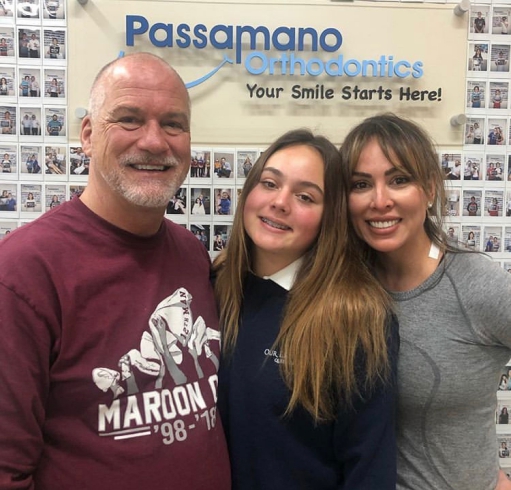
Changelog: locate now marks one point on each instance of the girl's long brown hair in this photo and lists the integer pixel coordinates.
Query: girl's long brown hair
(336, 310)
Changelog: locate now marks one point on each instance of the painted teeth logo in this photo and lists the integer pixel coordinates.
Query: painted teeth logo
(293, 44)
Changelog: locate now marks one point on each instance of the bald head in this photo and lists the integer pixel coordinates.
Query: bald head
(123, 68)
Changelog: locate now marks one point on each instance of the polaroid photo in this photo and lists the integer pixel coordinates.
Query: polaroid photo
(200, 201)
(8, 200)
(9, 162)
(478, 57)
(75, 190)
(507, 268)
(55, 123)
(79, 163)
(54, 46)
(7, 8)
(472, 166)
(29, 45)
(471, 237)
(202, 233)
(492, 239)
(224, 197)
(30, 123)
(31, 200)
(29, 82)
(479, 19)
(500, 20)
(8, 83)
(55, 84)
(200, 165)
(493, 203)
(497, 130)
(474, 131)
(452, 234)
(452, 202)
(507, 239)
(55, 162)
(494, 170)
(6, 228)
(221, 235)
(178, 204)
(508, 203)
(223, 161)
(54, 195)
(498, 96)
(476, 94)
(471, 203)
(504, 444)
(451, 166)
(499, 59)
(502, 411)
(31, 167)
(8, 124)
(28, 11)
(54, 11)
(245, 160)
(7, 44)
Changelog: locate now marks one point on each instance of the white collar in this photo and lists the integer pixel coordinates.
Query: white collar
(285, 277)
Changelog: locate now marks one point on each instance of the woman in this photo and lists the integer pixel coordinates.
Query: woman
(476, 97)
(198, 207)
(30, 202)
(306, 386)
(54, 201)
(477, 60)
(503, 382)
(497, 99)
(450, 320)
(4, 87)
(471, 241)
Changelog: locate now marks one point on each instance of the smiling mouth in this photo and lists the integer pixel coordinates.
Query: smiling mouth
(153, 168)
(275, 225)
(383, 224)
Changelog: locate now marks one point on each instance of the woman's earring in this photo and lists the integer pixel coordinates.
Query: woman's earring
(430, 204)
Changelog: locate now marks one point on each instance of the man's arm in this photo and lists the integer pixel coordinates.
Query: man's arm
(24, 384)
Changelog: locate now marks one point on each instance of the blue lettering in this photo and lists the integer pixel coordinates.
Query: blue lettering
(167, 29)
(227, 43)
(201, 40)
(349, 72)
(417, 69)
(398, 72)
(325, 46)
(286, 31)
(256, 55)
(253, 41)
(132, 31)
(301, 38)
(311, 70)
(182, 32)
(370, 63)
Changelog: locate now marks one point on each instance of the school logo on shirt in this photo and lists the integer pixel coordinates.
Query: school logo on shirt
(274, 355)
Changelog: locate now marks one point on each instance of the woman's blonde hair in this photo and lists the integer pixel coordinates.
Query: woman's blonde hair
(336, 312)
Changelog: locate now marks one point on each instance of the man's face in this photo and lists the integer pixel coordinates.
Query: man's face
(139, 140)
(54, 117)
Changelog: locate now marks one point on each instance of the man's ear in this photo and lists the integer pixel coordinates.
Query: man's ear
(86, 135)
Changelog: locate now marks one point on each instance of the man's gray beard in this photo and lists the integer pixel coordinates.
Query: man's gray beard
(156, 197)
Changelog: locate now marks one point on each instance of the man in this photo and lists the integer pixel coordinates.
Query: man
(109, 358)
(54, 126)
(479, 23)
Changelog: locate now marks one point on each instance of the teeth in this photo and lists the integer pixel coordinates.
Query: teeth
(275, 225)
(149, 167)
(383, 224)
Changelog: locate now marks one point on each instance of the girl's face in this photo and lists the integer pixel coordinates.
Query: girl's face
(476, 89)
(471, 235)
(387, 207)
(282, 214)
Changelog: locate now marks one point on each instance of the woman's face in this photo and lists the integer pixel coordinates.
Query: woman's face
(471, 235)
(387, 208)
(282, 213)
